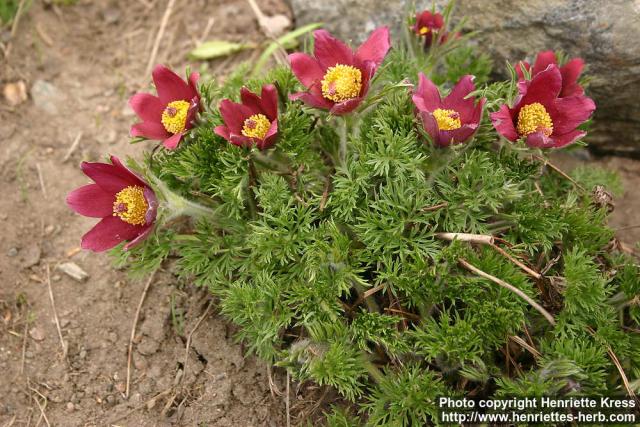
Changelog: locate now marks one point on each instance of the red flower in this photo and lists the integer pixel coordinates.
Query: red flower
(169, 115)
(126, 204)
(427, 23)
(254, 121)
(452, 120)
(569, 71)
(540, 116)
(337, 78)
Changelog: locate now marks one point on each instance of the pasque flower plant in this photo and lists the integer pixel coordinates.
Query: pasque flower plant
(355, 256)
(452, 120)
(125, 203)
(168, 116)
(254, 121)
(570, 71)
(540, 116)
(337, 79)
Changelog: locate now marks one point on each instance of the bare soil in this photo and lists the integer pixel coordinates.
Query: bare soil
(94, 54)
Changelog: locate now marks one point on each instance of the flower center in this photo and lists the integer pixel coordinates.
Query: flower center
(174, 116)
(447, 119)
(341, 82)
(424, 30)
(533, 118)
(256, 126)
(131, 205)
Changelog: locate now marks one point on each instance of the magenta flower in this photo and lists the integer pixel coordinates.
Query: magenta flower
(427, 23)
(540, 116)
(253, 121)
(452, 120)
(570, 71)
(168, 116)
(126, 204)
(337, 79)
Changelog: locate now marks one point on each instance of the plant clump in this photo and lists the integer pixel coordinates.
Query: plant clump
(385, 221)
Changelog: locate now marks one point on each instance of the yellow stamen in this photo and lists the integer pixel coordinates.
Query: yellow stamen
(174, 117)
(256, 126)
(424, 30)
(447, 119)
(131, 205)
(341, 82)
(533, 118)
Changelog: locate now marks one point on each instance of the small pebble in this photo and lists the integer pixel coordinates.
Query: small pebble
(12, 252)
(70, 407)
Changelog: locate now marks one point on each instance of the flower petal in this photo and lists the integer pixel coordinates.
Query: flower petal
(313, 98)
(193, 83)
(431, 127)
(152, 202)
(222, 131)
(539, 140)
(456, 98)
(544, 87)
(375, 48)
(344, 107)
(241, 140)
(92, 201)
(109, 232)
(172, 142)
(250, 100)
(270, 137)
(109, 177)
(543, 60)
(503, 123)
(330, 51)
(151, 130)
(269, 101)
(426, 97)
(570, 73)
(560, 141)
(571, 112)
(170, 86)
(140, 238)
(133, 177)
(234, 114)
(147, 107)
(460, 135)
(306, 68)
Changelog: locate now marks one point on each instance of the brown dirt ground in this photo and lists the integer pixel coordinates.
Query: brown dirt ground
(95, 53)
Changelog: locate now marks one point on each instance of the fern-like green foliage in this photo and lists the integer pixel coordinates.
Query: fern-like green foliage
(338, 270)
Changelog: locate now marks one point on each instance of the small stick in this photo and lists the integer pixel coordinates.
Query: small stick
(41, 407)
(73, 147)
(483, 239)
(367, 294)
(287, 403)
(616, 362)
(142, 406)
(560, 172)
(517, 262)
(628, 227)
(16, 20)
(325, 194)
(275, 391)
(403, 313)
(512, 288)
(55, 314)
(133, 331)
(188, 345)
(41, 179)
(24, 345)
(156, 44)
(44, 36)
(435, 207)
(525, 345)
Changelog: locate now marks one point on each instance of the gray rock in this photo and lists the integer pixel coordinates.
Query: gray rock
(605, 34)
(12, 252)
(31, 255)
(47, 97)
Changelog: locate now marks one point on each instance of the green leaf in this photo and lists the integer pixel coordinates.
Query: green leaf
(218, 48)
(283, 41)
